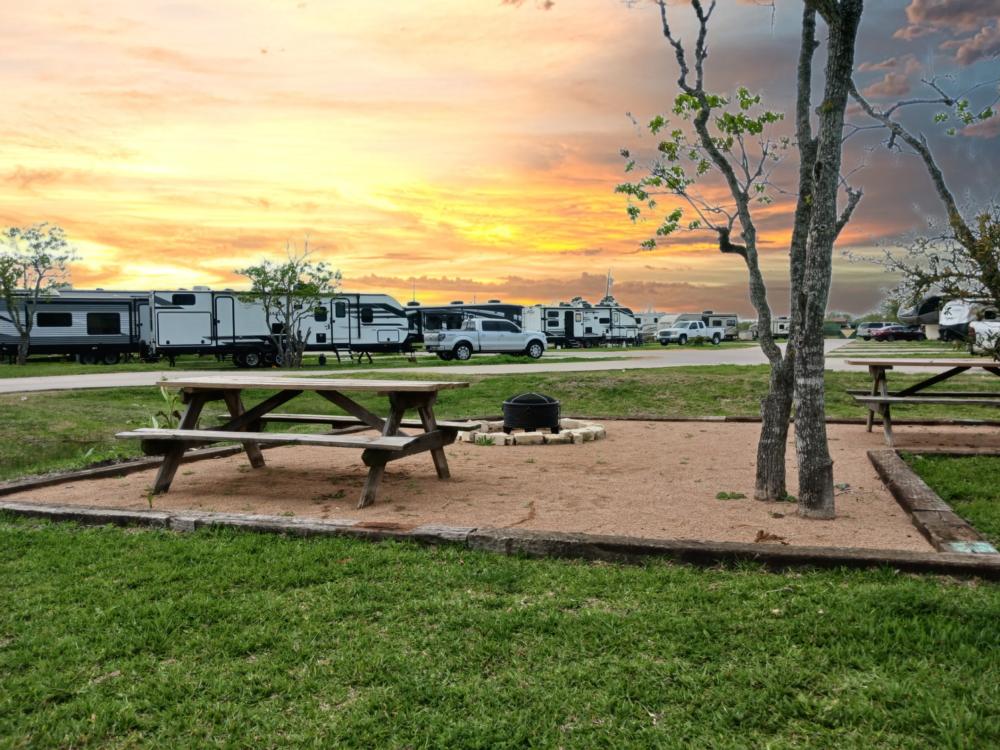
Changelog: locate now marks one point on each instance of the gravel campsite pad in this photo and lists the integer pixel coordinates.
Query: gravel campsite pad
(667, 480)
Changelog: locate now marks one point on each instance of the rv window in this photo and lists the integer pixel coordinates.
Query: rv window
(367, 316)
(277, 329)
(553, 313)
(730, 322)
(182, 299)
(340, 309)
(604, 320)
(104, 324)
(319, 314)
(54, 320)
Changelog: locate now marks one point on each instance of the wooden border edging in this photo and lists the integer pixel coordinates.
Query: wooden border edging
(111, 470)
(534, 543)
(944, 529)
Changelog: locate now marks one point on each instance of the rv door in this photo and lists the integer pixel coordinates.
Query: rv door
(225, 320)
(340, 325)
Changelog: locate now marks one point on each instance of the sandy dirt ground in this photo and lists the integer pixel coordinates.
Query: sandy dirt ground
(647, 479)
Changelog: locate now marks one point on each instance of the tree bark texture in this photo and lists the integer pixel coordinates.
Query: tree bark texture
(815, 465)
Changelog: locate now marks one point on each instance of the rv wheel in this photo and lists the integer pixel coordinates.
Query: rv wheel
(463, 352)
(322, 360)
(252, 359)
(716, 340)
(535, 350)
(682, 339)
(90, 358)
(239, 359)
(111, 358)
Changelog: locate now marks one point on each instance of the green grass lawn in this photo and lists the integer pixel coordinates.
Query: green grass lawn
(69, 429)
(56, 366)
(115, 638)
(970, 485)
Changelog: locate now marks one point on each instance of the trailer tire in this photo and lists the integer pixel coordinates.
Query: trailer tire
(463, 352)
(322, 360)
(88, 358)
(252, 359)
(535, 350)
(239, 359)
(682, 339)
(110, 358)
(716, 339)
(446, 356)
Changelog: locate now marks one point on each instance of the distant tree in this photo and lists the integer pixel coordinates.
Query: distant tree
(963, 259)
(290, 292)
(33, 264)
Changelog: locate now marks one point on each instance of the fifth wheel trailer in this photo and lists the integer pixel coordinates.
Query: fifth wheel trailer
(227, 323)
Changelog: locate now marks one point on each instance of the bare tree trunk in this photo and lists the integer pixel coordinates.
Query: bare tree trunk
(22, 350)
(775, 411)
(815, 464)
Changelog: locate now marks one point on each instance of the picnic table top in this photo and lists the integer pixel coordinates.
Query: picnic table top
(232, 382)
(905, 362)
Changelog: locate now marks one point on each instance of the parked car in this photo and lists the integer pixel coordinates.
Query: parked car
(485, 336)
(865, 330)
(688, 330)
(898, 333)
(984, 337)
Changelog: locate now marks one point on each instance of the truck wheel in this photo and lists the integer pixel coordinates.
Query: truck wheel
(463, 352)
(535, 350)
(664, 342)
(252, 359)
(682, 339)
(716, 340)
(446, 356)
(111, 358)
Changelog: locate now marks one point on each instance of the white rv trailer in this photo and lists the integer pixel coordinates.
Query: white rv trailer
(225, 323)
(650, 322)
(780, 327)
(94, 325)
(729, 322)
(581, 324)
(956, 315)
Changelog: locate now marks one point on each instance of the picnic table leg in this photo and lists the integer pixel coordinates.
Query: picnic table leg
(377, 469)
(878, 377)
(426, 412)
(173, 457)
(235, 405)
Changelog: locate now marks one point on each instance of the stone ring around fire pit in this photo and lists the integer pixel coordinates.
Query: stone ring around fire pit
(570, 431)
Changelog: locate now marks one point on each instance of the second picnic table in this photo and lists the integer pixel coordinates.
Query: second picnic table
(245, 424)
(881, 400)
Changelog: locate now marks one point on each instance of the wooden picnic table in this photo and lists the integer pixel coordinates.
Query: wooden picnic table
(244, 424)
(881, 400)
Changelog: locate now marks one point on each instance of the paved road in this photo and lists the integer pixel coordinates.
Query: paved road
(593, 362)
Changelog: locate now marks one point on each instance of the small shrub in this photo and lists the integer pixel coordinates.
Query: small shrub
(730, 496)
(484, 439)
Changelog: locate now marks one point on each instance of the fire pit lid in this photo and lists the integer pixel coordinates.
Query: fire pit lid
(531, 399)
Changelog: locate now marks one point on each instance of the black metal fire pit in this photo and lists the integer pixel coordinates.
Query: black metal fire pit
(529, 411)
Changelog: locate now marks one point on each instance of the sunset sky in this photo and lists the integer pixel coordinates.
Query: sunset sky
(461, 147)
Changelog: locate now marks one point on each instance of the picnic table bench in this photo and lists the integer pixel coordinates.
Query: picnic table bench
(245, 425)
(880, 400)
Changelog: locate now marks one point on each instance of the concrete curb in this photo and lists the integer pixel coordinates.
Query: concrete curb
(533, 543)
(943, 528)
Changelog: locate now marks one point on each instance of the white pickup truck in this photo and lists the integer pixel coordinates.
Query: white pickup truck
(482, 335)
(689, 330)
